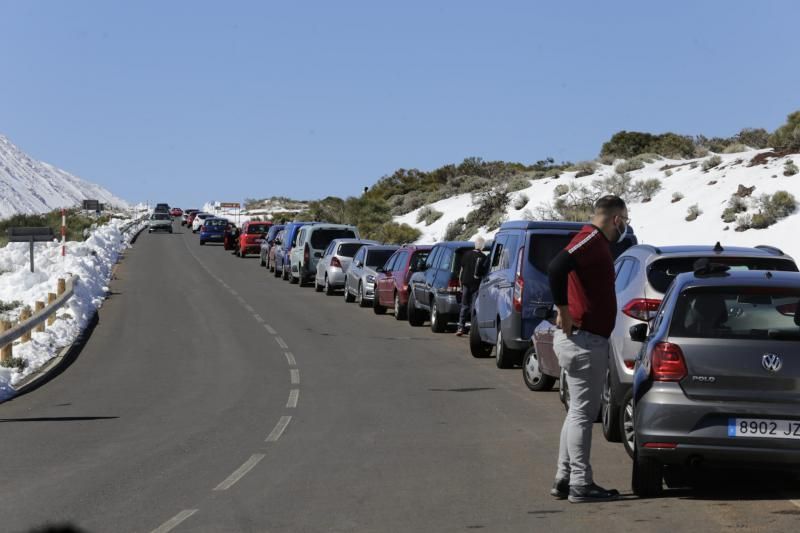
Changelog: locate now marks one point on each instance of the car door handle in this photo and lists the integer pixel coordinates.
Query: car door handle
(504, 285)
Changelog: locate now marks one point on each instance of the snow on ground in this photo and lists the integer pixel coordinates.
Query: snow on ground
(660, 221)
(92, 260)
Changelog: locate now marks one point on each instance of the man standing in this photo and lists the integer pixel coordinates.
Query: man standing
(582, 283)
(471, 265)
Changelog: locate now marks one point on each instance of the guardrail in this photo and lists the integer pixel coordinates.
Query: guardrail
(28, 322)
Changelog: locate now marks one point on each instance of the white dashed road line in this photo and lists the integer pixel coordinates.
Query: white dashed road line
(258, 318)
(240, 472)
(173, 522)
(290, 358)
(281, 342)
(249, 308)
(279, 429)
(269, 329)
(295, 375)
(294, 395)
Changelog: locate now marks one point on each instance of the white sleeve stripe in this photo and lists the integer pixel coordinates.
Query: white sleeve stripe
(584, 241)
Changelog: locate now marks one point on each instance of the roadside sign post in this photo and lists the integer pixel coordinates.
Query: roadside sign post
(232, 205)
(31, 235)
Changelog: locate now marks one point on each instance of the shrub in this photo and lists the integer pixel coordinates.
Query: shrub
(429, 215)
(676, 197)
(517, 183)
(753, 137)
(735, 206)
(734, 148)
(629, 166)
(693, 212)
(712, 162)
(693, 164)
(646, 189)
(627, 144)
(77, 223)
(789, 169)
(771, 209)
(454, 229)
(560, 190)
(16, 362)
(394, 233)
(618, 184)
(584, 168)
(521, 201)
(9, 306)
(787, 137)
(668, 173)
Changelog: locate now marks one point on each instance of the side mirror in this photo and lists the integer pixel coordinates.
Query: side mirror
(638, 332)
(380, 270)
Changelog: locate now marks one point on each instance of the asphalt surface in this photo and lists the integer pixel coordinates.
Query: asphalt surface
(214, 397)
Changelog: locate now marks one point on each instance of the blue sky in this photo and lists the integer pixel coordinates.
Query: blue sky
(191, 101)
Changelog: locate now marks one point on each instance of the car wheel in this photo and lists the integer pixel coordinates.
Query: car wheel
(285, 273)
(347, 296)
(377, 308)
(609, 412)
(504, 356)
(328, 287)
(399, 311)
(647, 480)
(563, 390)
(202, 243)
(477, 347)
(532, 373)
(438, 323)
(627, 429)
(416, 317)
(317, 286)
(293, 280)
(362, 302)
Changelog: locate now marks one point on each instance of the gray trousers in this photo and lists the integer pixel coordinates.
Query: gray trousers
(584, 358)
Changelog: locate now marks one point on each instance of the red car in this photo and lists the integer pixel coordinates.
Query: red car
(391, 285)
(250, 237)
(176, 212)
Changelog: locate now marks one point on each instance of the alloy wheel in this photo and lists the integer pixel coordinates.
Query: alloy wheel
(532, 370)
(627, 425)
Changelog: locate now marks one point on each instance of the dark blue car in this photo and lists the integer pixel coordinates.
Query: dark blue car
(268, 242)
(213, 230)
(282, 261)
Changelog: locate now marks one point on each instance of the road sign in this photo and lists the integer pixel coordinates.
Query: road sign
(31, 235)
(236, 205)
(91, 205)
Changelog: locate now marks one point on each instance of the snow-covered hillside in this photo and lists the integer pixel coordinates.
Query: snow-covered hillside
(31, 186)
(662, 221)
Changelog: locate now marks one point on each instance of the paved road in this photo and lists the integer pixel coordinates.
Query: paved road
(214, 397)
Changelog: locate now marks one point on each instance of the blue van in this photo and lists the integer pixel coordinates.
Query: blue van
(514, 295)
(282, 266)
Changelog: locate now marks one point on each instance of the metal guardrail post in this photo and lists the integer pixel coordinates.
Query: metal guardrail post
(24, 315)
(51, 297)
(39, 307)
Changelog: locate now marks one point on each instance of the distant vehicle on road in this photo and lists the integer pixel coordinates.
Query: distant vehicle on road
(267, 243)
(312, 240)
(282, 257)
(718, 378)
(251, 236)
(198, 220)
(161, 208)
(334, 263)
(175, 212)
(188, 216)
(159, 222)
(391, 286)
(213, 230)
(434, 290)
(359, 280)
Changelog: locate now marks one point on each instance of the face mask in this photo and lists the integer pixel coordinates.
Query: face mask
(622, 233)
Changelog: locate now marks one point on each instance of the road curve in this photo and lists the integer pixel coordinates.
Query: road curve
(214, 397)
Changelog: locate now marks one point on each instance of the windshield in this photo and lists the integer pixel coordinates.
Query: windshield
(349, 249)
(321, 238)
(662, 272)
(763, 313)
(257, 229)
(376, 258)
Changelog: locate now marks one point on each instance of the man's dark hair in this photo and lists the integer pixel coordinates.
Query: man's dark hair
(610, 203)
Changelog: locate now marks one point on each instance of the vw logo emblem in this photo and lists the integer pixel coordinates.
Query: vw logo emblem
(771, 362)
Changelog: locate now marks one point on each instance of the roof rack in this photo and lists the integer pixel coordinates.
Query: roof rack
(771, 249)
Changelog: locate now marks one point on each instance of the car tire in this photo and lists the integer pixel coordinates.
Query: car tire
(609, 411)
(626, 424)
(477, 347)
(647, 479)
(399, 310)
(329, 290)
(438, 323)
(348, 298)
(285, 273)
(416, 317)
(532, 373)
(505, 357)
(563, 390)
(202, 243)
(377, 308)
(317, 286)
(362, 302)
(293, 280)
(242, 254)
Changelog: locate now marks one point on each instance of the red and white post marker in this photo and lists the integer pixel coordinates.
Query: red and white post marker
(63, 232)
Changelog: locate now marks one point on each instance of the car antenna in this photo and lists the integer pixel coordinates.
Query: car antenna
(718, 248)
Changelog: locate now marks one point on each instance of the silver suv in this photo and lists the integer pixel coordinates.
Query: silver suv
(718, 381)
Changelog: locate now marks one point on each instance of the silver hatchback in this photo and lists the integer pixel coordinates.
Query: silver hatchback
(335, 261)
(359, 280)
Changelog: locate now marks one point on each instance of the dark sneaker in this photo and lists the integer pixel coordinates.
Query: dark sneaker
(560, 490)
(459, 332)
(591, 493)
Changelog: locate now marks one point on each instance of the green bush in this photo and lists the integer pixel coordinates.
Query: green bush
(517, 183)
(693, 212)
(771, 209)
(77, 222)
(584, 168)
(787, 137)
(627, 144)
(394, 233)
(789, 169)
(454, 229)
(9, 306)
(429, 215)
(521, 201)
(753, 137)
(629, 166)
(668, 173)
(16, 362)
(736, 205)
(712, 162)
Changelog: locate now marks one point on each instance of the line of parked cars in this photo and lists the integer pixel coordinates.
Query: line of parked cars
(704, 362)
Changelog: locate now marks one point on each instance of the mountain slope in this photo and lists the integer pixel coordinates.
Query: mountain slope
(31, 186)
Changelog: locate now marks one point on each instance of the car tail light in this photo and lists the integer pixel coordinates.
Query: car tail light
(335, 262)
(202, 228)
(668, 362)
(787, 309)
(630, 363)
(519, 283)
(453, 286)
(305, 255)
(643, 309)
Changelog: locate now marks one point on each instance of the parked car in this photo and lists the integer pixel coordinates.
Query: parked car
(273, 250)
(159, 222)
(540, 366)
(334, 263)
(717, 382)
(213, 230)
(267, 242)
(359, 280)
(282, 256)
(198, 220)
(175, 212)
(391, 286)
(312, 240)
(186, 215)
(250, 238)
(434, 290)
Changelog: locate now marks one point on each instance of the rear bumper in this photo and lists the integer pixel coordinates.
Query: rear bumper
(448, 304)
(335, 278)
(212, 237)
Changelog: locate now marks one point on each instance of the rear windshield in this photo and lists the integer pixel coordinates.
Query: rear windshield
(376, 258)
(349, 249)
(760, 313)
(544, 247)
(216, 223)
(321, 238)
(662, 272)
(257, 228)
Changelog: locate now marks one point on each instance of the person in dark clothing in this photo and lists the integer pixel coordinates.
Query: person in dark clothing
(470, 278)
(582, 282)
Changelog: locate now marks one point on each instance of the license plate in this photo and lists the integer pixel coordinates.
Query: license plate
(764, 428)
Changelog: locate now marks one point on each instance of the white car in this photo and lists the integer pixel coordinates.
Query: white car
(198, 221)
